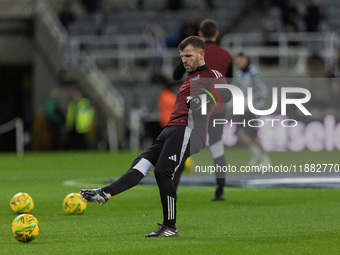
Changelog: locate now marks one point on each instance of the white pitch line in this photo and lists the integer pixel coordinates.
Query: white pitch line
(82, 183)
(98, 182)
(294, 181)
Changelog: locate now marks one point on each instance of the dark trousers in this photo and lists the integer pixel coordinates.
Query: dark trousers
(215, 136)
(172, 147)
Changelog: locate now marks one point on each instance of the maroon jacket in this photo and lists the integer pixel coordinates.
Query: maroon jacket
(203, 77)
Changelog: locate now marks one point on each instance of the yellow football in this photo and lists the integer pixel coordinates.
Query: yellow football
(74, 203)
(25, 228)
(21, 203)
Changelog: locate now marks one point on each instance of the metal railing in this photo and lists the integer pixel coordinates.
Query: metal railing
(126, 49)
(284, 46)
(18, 125)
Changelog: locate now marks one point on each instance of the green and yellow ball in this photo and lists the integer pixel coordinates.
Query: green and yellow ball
(21, 203)
(74, 204)
(25, 228)
(189, 164)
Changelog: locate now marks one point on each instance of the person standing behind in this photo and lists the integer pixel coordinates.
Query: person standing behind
(218, 59)
(66, 16)
(166, 102)
(247, 76)
(55, 118)
(79, 120)
(312, 16)
(155, 39)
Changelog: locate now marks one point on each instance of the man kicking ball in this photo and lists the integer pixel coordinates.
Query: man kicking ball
(184, 135)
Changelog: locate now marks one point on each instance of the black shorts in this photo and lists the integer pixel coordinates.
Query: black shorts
(172, 147)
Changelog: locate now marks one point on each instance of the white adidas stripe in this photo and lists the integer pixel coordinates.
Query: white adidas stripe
(185, 143)
(169, 233)
(217, 73)
(171, 208)
(214, 73)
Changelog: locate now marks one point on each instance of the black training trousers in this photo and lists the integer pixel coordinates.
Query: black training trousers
(173, 146)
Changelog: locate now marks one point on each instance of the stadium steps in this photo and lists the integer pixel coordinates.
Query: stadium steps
(124, 19)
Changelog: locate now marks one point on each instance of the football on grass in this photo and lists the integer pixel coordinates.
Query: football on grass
(25, 228)
(74, 203)
(21, 203)
(189, 164)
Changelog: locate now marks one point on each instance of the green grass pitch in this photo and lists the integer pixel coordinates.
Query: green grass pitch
(251, 221)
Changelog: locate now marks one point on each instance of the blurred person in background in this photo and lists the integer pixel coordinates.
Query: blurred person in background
(79, 120)
(248, 77)
(291, 31)
(334, 72)
(55, 118)
(155, 39)
(66, 14)
(290, 14)
(221, 60)
(312, 17)
(188, 27)
(96, 14)
(174, 5)
(334, 94)
(166, 102)
(269, 37)
(92, 6)
(158, 77)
